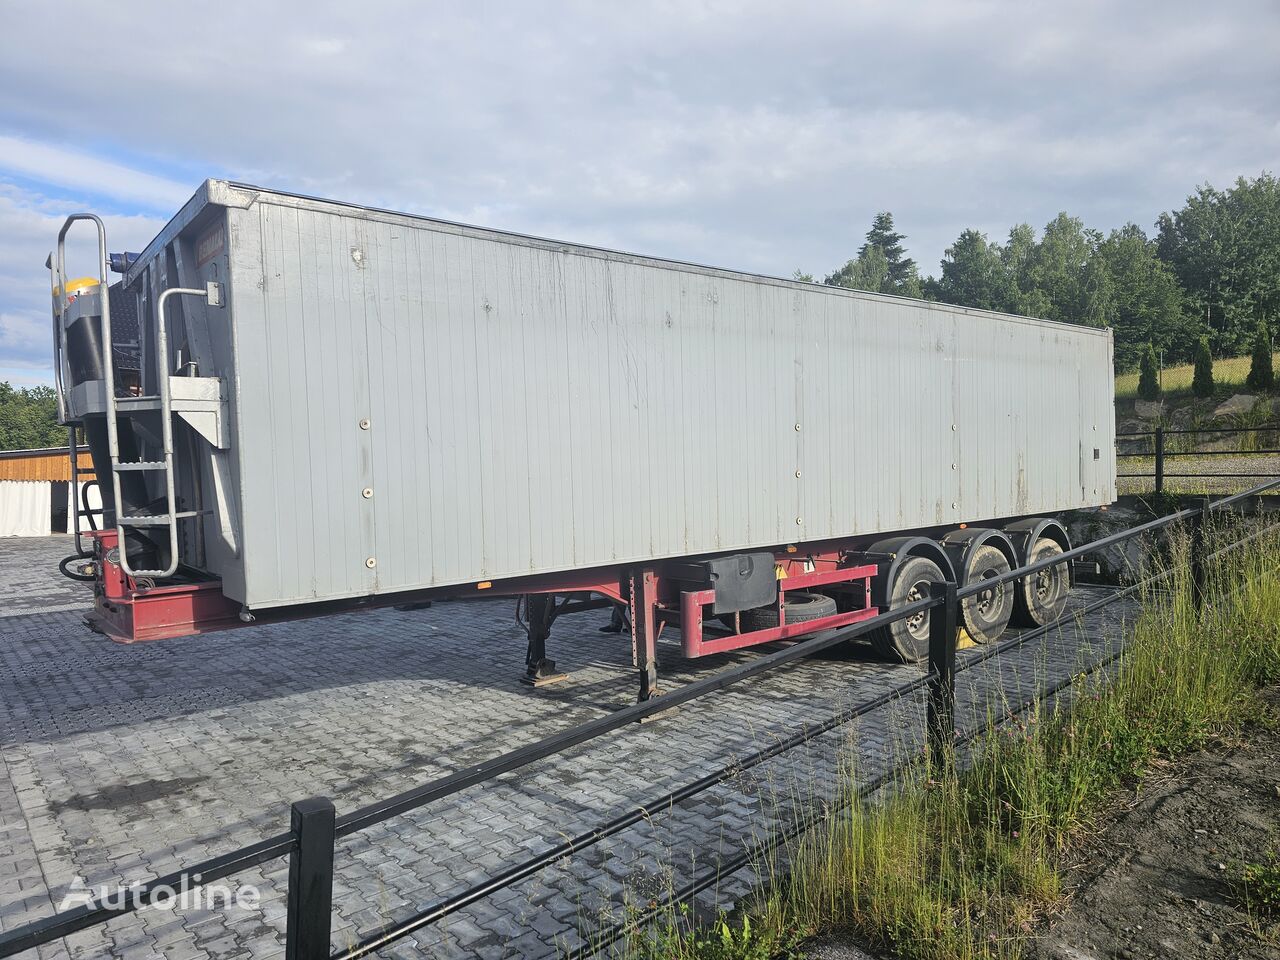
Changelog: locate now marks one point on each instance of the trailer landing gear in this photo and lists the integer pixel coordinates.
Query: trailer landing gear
(540, 608)
(644, 632)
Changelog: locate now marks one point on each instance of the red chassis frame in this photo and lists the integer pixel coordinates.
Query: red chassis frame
(129, 612)
(692, 602)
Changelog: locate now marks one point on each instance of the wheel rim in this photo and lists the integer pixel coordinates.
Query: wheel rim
(918, 624)
(1046, 584)
(990, 599)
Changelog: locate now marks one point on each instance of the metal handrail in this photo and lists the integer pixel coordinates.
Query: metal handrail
(166, 431)
(373, 813)
(1203, 453)
(1159, 523)
(108, 356)
(393, 931)
(1152, 433)
(143, 894)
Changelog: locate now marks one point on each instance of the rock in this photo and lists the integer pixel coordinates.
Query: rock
(1240, 403)
(833, 948)
(1149, 409)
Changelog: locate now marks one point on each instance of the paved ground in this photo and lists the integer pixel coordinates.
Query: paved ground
(124, 762)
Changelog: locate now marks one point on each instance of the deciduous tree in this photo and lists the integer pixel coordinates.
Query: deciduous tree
(29, 418)
(1147, 302)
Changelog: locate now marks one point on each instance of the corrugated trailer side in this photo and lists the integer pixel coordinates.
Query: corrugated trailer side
(333, 407)
(421, 404)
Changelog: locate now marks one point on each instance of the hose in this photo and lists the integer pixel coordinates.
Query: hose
(78, 577)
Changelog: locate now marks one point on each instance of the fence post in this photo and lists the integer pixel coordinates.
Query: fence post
(943, 637)
(310, 907)
(1199, 553)
(1159, 459)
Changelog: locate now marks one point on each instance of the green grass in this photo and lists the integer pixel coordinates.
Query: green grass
(1227, 372)
(961, 865)
(1257, 888)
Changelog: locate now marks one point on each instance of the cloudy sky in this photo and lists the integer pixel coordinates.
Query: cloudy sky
(761, 136)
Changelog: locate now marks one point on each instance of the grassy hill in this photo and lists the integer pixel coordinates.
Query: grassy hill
(1227, 372)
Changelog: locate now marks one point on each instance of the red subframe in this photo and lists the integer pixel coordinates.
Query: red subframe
(129, 614)
(692, 602)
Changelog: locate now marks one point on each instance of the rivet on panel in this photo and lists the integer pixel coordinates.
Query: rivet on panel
(797, 474)
(799, 520)
(364, 424)
(371, 563)
(797, 426)
(367, 492)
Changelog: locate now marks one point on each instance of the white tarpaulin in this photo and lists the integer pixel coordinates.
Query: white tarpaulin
(25, 508)
(95, 501)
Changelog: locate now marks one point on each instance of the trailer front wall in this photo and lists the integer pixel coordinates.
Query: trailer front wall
(420, 404)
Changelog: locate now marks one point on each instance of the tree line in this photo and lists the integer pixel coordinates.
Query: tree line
(1211, 270)
(29, 418)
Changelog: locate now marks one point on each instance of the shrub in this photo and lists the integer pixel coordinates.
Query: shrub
(1202, 382)
(1149, 378)
(1261, 374)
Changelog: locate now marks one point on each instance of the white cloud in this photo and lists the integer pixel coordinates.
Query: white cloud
(75, 170)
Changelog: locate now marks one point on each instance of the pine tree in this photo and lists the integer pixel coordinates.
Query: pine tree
(1202, 382)
(1261, 375)
(1149, 378)
(883, 236)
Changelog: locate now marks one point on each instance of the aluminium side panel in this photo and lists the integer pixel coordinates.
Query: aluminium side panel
(423, 404)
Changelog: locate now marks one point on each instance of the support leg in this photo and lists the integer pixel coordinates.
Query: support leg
(540, 610)
(644, 631)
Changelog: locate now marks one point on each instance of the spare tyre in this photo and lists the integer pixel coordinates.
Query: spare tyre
(800, 607)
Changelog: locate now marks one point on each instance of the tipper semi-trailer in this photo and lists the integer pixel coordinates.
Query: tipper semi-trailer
(296, 406)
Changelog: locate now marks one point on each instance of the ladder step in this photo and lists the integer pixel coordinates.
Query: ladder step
(129, 405)
(157, 519)
(140, 465)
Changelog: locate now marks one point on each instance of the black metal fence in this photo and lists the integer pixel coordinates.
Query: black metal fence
(315, 827)
(1161, 448)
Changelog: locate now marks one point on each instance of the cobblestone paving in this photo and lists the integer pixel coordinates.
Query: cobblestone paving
(26, 585)
(121, 763)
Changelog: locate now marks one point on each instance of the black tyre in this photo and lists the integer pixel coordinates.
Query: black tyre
(1041, 597)
(986, 615)
(800, 608)
(908, 640)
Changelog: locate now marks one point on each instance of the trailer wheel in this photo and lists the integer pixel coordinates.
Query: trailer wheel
(800, 608)
(1041, 597)
(985, 615)
(908, 640)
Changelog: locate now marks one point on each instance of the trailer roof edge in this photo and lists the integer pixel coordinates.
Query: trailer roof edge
(230, 193)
